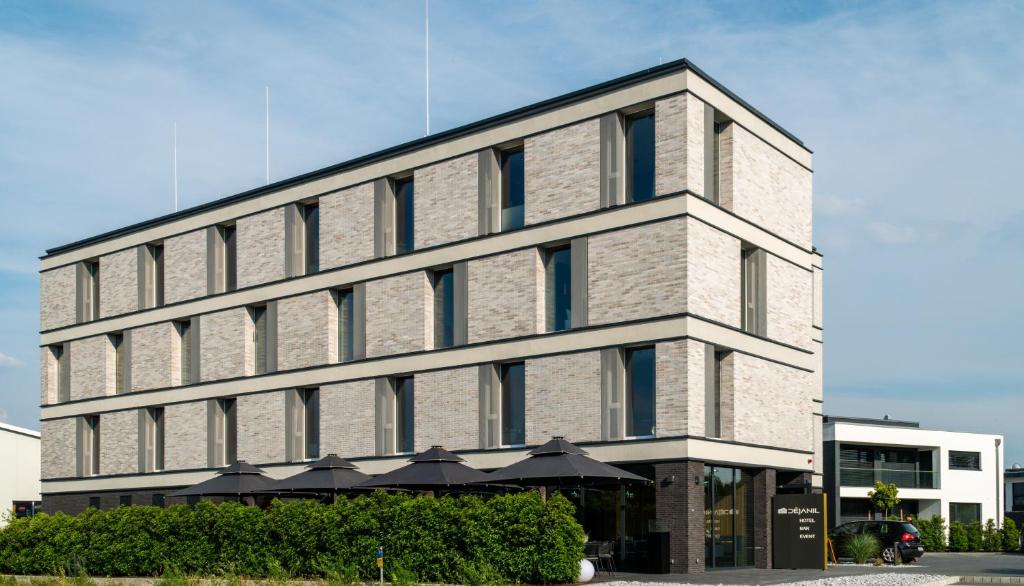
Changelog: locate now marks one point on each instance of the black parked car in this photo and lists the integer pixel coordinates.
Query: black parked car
(903, 535)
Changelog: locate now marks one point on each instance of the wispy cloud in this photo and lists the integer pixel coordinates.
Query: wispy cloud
(9, 361)
(895, 234)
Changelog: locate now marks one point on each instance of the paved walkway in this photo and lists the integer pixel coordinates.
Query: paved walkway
(946, 564)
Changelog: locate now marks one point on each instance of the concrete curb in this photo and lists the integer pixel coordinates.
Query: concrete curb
(990, 580)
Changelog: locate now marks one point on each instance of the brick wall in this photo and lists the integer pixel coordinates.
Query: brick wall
(447, 408)
(47, 377)
(119, 282)
(185, 266)
(695, 376)
(679, 144)
(260, 246)
(307, 327)
(185, 436)
(679, 507)
(57, 297)
(637, 272)
(156, 357)
(563, 397)
(347, 419)
(58, 447)
(261, 420)
(761, 184)
(119, 442)
(92, 367)
(346, 226)
(446, 201)
(790, 303)
(225, 344)
(712, 273)
(672, 391)
(75, 503)
(506, 296)
(399, 314)
(563, 172)
(772, 403)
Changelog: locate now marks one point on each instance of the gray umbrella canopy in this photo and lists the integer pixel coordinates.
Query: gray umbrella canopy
(560, 462)
(238, 479)
(330, 474)
(436, 468)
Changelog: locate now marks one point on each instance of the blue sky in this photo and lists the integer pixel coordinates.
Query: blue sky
(914, 112)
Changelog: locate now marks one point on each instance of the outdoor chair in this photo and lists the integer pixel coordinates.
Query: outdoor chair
(591, 552)
(606, 556)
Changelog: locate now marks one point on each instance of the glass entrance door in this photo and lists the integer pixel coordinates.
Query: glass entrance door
(728, 518)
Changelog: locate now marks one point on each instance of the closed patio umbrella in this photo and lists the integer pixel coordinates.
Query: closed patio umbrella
(434, 469)
(328, 475)
(237, 480)
(559, 462)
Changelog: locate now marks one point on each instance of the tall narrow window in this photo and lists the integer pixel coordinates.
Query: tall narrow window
(189, 352)
(61, 356)
(259, 320)
(640, 157)
(230, 430)
(713, 392)
(311, 423)
(513, 404)
(88, 290)
(228, 233)
(157, 252)
(640, 391)
(512, 190)
(89, 445)
(222, 434)
(311, 240)
(558, 289)
(405, 415)
(754, 291)
(444, 308)
(405, 217)
(346, 323)
(715, 189)
(151, 439)
(117, 341)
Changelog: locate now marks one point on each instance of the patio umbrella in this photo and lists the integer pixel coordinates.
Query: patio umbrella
(434, 469)
(559, 462)
(328, 475)
(237, 480)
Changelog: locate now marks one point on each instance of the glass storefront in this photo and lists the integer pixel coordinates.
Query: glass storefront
(728, 518)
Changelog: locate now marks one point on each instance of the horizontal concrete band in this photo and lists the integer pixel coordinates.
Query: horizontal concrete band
(587, 109)
(704, 450)
(592, 338)
(662, 208)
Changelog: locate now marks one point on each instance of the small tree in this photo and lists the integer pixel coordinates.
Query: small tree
(1011, 535)
(992, 538)
(958, 537)
(884, 497)
(933, 533)
(975, 536)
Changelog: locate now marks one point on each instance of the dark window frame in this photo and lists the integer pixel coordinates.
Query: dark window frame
(964, 460)
(640, 187)
(512, 380)
(311, 238)
(558, 288)
(405, 415)
(443, 284)
(512, 165)
(405, 215)
(634, 416)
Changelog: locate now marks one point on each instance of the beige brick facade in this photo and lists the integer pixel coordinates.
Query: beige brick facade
(563, 172)
(563, 397)
(156, 357)
(446, 201)
(119, 442)
(185, 266)
(58, 447)
(346, 226)
(260, 248)
(57, 297)
(261, 430)
(506, 296)
(92, 367)
(119, 282)
(790, 303)
(226, 345)
(399, 314)
(307, 330)
(771, 404)
(679, 144)
(185, 436)
(712, 273)
(347, 419)
(447, 406)
(672, 391)
(637, 273)
(47, 377)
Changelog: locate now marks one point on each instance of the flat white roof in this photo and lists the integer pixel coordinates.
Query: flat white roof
(18, 430)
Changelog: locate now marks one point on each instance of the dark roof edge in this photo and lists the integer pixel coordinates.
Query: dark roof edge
(870, 421)
(390, 152)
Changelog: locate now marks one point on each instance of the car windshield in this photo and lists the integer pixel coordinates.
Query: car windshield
(909, 528)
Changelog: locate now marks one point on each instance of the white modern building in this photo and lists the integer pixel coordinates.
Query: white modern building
(1014, 487)
(954, 474)
(19, 482)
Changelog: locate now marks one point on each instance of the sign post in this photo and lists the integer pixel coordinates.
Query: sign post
(799, 531)
(380, 563)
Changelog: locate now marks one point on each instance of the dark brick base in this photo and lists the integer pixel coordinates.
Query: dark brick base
(74, 503)
(764, 490)
(680, 510)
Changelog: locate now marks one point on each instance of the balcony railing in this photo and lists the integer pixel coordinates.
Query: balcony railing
(901, 478)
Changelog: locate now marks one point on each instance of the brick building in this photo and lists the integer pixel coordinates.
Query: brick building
(629, 266)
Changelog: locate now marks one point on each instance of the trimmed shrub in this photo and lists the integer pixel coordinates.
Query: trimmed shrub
(958, 537)
(863, 547)
(991, 538)
(1011, 535)
(468, 540)
(975, 537)
(933, 532)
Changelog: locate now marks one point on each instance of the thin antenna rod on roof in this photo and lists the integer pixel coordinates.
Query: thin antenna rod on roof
(426, 24)
(175, 166)
(268, 133)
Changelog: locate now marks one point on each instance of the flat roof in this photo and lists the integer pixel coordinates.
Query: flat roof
(870, 421)
(433, 139)
(18, 430)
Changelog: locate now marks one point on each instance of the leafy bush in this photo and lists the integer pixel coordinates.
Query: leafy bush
(975, 537)
(933, 532)
(863, 547)
(1011, 535)
(958, 537)
(468, 540)
(992, 538)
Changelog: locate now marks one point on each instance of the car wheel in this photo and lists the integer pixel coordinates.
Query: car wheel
(889, 555)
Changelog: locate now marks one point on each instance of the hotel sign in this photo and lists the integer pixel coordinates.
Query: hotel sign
(798, 531)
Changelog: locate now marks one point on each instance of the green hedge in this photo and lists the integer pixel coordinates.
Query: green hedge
(516, 538)
(969, 536)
